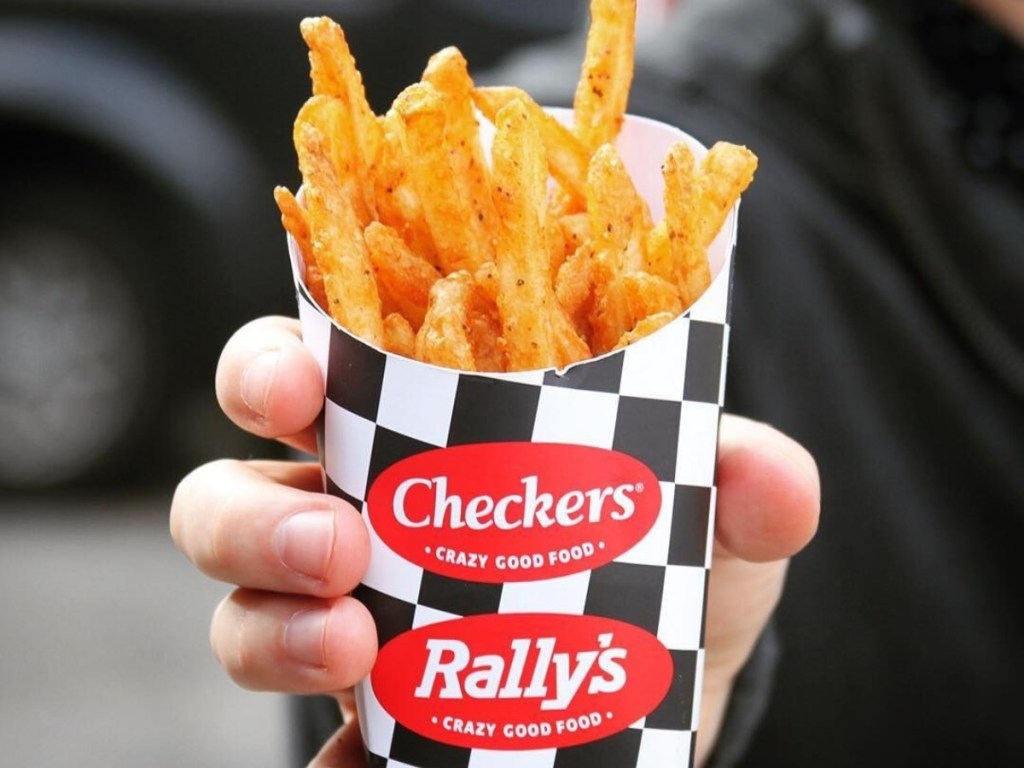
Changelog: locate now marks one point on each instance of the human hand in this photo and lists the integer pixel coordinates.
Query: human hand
(295, 553)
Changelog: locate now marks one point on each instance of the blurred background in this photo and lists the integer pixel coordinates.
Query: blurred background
(140, 141)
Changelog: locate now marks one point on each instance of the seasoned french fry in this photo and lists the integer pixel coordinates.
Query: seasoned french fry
(398, 205)
(461, 328)
(399, 337)
(647, 294)
(293, 218)
(423, 116)
(568, 158)
(526, 301)
(337, 241)
(334, 73)
(448, 72)
(607, 73)
(403, 277)
(725, 173)
(692, 274)
(658, 253)
(645, 327)
(574, 289)
(486, 277)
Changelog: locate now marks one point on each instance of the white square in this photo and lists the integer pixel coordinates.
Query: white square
(536, 378)
(565, 594)
(713, 304)
(424, 616)
(661, 749)
(709, 546)
(388, 572)
(575, 416)
(492, 758)
(698, 444)
(698, 689)
(416, 400)
(655, 366)
(376, 725)
(347, 454)
(682, 607)
(652, 549)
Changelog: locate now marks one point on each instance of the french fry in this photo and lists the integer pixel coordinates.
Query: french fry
(692, 273)
(337, 242)
(423, 117)
(399, 337)
(574, 288)
(461, 328)
(334, 73)
(526, 301)
(607, 73)
(568, 158)
(645, 327)
(647, 294)
(725, 173)
(397, 203)
(448, 72)
(293, 219)
(403, 277)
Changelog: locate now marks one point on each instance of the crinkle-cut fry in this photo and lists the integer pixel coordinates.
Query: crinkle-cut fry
(602, 92)
(399, 337)
(534, 334)
(461, 328)
(648, 294)
(403, 277)
(645, 327)
(333, 120)
(423, 115)
(725, 173)
(398, 205)
(333, 70)
(692, 274)
(337, 242)
(293, 218)
(448, 72)
(567, 157)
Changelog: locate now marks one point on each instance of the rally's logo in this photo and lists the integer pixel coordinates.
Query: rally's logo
(500, 512)
(522, 681)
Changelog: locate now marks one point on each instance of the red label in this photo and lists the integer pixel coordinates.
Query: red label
(499, 512)
(522, 681)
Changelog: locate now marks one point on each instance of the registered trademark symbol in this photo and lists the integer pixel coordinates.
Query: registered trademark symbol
(609, 715)
(427, 550)
(600, 545)
(639, 487)
(434, 720)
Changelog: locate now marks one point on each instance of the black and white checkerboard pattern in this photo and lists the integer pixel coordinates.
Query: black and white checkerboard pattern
(658, 400)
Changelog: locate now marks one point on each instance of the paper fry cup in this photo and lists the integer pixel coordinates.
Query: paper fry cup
(541, 540)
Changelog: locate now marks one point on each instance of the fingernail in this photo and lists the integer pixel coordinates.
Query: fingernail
(305, 543)
(304, 637)
(256, 381)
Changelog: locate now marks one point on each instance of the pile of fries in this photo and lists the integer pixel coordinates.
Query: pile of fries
(539, 256)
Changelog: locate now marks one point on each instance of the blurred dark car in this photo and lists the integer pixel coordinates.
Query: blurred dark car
(139, 144)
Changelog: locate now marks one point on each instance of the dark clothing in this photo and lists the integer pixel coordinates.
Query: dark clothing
(878, 319)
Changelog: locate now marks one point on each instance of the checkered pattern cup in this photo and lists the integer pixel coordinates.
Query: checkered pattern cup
(540, 540)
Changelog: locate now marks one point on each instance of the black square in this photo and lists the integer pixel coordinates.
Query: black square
(355, 374)
(463, 598)
(390, 447)
(488, 410)
(620, 748)
(676, 710)
(688, 538)
(411, 748)
(391, 615)
(649, 430)
(628, 592)
(704, 362)
(376, 761)
(601, 375)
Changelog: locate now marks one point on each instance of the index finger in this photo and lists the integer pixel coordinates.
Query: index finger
(269, 384)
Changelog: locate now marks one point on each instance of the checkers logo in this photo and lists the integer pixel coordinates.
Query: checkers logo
(501, 512)
(522, 681)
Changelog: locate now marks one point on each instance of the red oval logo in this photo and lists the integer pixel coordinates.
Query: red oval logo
(522, 681)
(500, 512)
